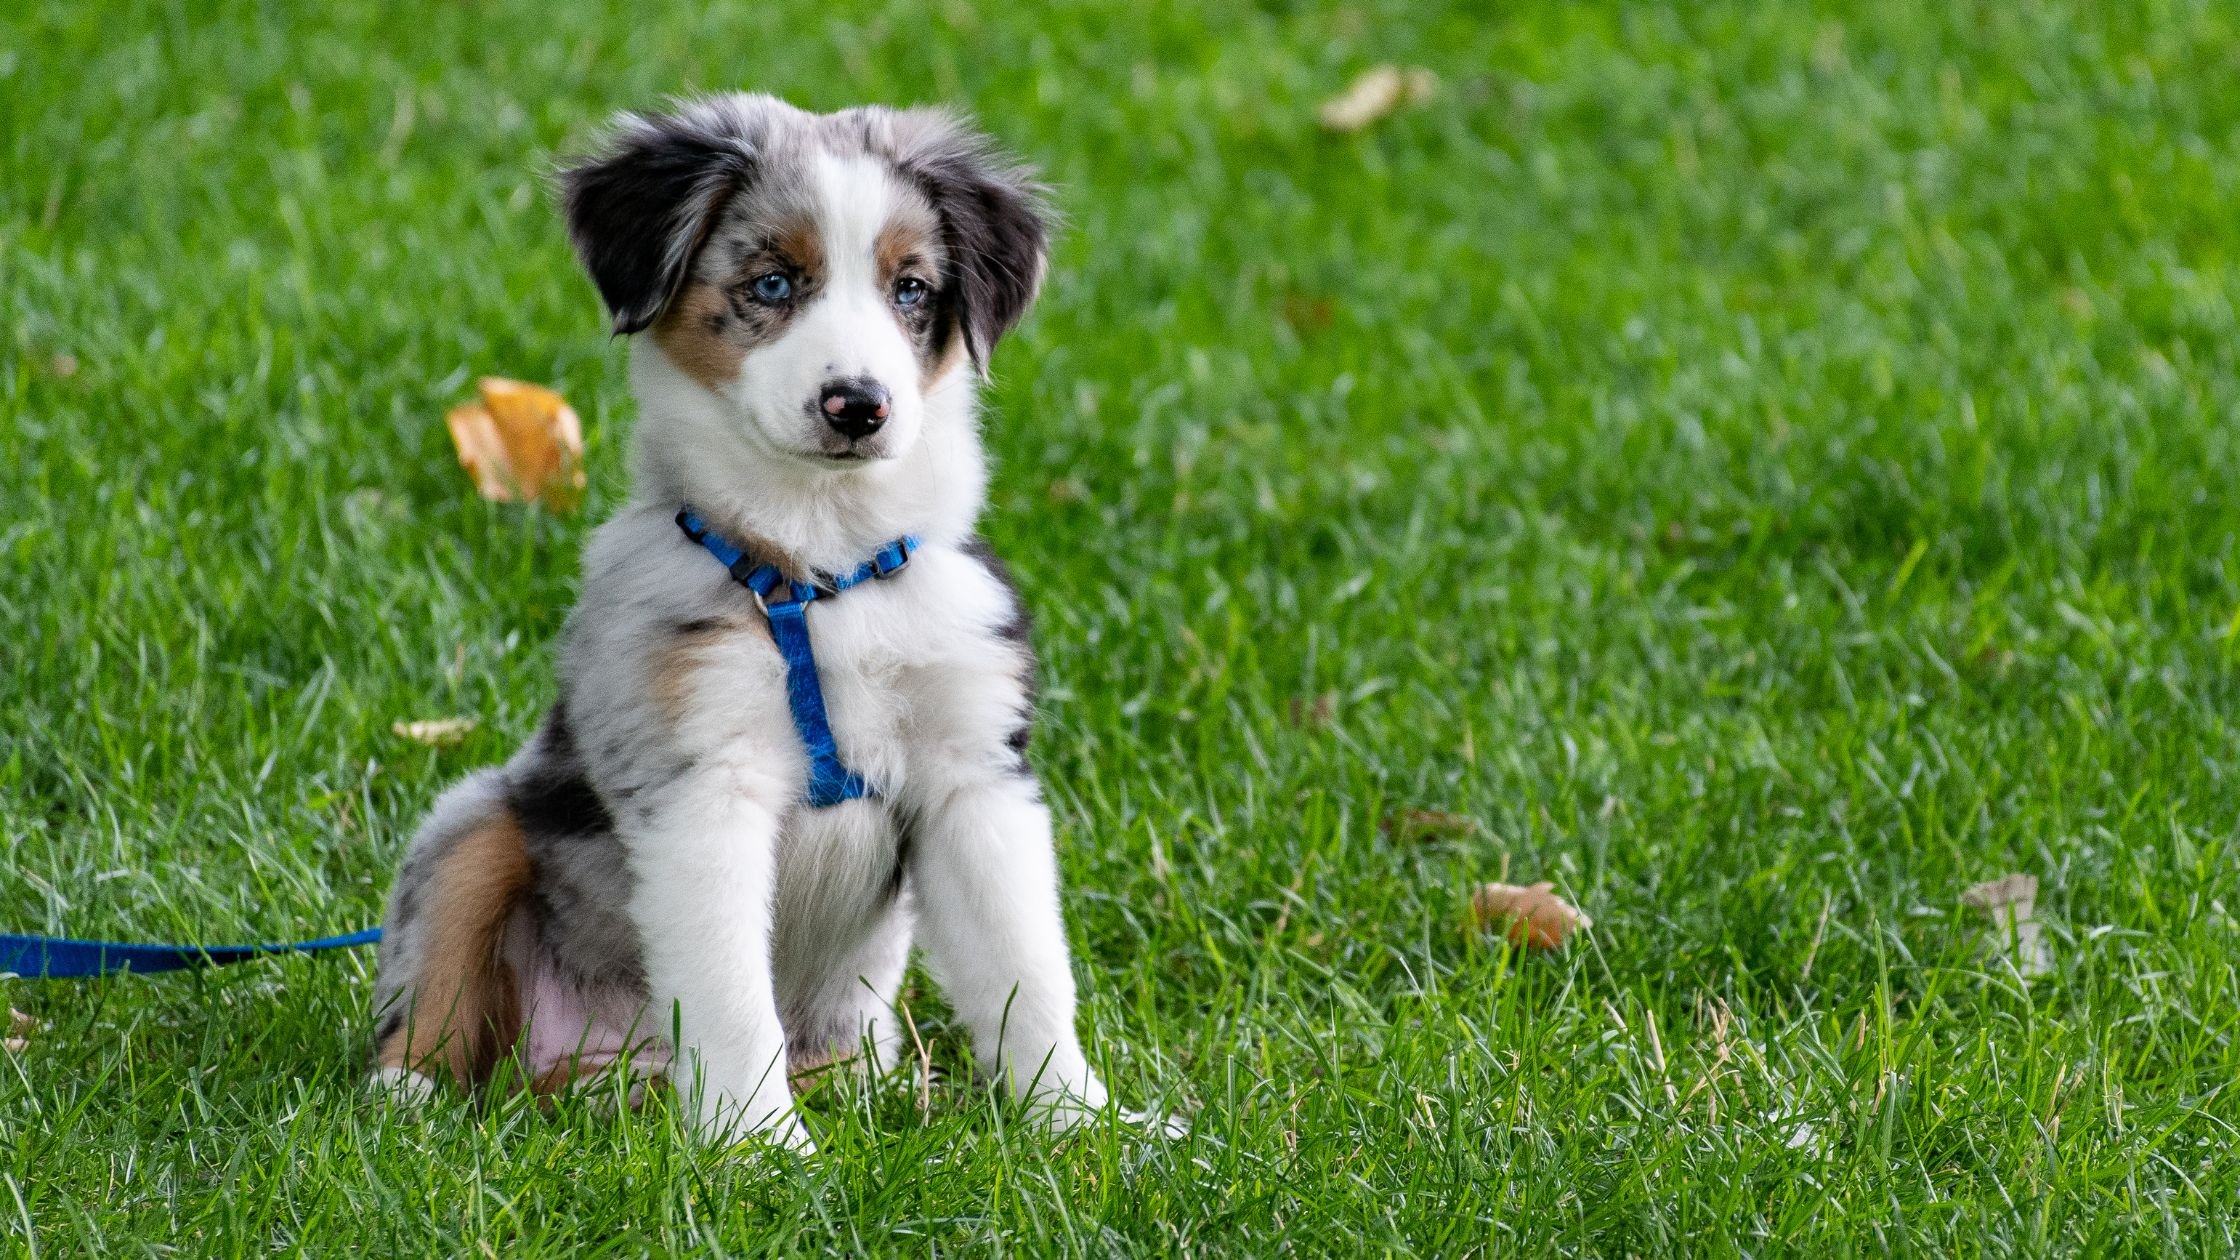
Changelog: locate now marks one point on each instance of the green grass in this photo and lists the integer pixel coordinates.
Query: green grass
(1771, 467)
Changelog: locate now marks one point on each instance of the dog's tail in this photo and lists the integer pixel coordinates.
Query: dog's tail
(447, 995)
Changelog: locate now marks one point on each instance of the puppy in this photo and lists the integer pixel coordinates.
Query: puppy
(813, 301)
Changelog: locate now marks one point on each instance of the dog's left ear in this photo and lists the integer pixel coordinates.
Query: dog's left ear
(994, 218)
(640, 209)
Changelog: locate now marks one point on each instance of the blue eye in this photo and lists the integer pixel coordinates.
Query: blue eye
(909, 291)
(772, 288)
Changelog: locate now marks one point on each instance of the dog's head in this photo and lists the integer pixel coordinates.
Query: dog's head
(823, 274)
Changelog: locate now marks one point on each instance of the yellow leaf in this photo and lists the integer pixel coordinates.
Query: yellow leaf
(521, 443)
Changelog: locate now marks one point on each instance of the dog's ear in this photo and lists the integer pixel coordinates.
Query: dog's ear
(641, 208)
(995, 221)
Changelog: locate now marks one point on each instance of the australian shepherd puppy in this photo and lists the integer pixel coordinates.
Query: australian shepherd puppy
(814, 299)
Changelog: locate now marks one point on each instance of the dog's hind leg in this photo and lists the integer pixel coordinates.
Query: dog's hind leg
(446, 998)
(849, 1015)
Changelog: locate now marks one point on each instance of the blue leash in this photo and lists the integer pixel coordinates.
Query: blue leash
(61, 958)
(830, 782)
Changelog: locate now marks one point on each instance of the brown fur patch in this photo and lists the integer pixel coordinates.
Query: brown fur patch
(678, 661)
(909, 244)
(911, 236)
(716, 320)
(955, 353)
(466, 1010)
(697, 335)
(674, 668)
(796, 242)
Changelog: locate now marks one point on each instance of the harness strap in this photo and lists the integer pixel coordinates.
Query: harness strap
(62, 958)
(830, 781)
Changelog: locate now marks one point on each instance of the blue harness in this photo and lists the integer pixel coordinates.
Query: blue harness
(830, 782)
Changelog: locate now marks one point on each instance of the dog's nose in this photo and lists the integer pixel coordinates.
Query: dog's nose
(855, 408)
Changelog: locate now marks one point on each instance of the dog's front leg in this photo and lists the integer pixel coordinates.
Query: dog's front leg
(704, 864)
(986, 879)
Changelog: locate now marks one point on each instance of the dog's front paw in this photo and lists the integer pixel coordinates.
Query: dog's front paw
(724, 1121)
(400, 1087)
(1073, 1101)
(793, 1136)
(1154, 1124)
(1064, 1103)
(1062, 1113)
(788, 1135)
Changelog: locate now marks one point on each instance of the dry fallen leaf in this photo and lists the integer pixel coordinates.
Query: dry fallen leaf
(1307, 714)
(1307, 314)
(522, 442)
(1532, 916)
(434, 732)
(1429, 824)
(2011, 904)
(1376, 92)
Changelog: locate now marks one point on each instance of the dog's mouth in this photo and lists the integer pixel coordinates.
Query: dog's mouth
(854, 454)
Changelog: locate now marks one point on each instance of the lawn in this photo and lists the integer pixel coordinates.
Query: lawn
(1767, 468)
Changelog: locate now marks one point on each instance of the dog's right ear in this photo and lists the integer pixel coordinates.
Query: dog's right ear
(641, 208)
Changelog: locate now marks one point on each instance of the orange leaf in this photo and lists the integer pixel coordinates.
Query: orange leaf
(522, 442)
(1532, 915)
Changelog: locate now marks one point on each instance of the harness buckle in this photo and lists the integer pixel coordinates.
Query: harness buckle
(881, 569)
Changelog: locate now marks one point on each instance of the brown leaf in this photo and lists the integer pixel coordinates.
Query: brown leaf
(1308, 714)
(1305, 313)
(521, 443)
(1374, 93)
(64, 365)
(434, 732)
(1429, 824)
(1532, 916)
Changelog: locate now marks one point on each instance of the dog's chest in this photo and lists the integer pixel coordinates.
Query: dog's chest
(907, 668)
